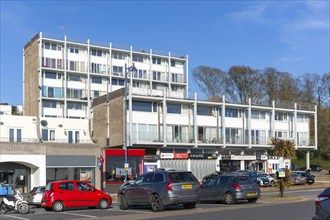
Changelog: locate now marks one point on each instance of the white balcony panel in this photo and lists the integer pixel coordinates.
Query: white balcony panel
(177, 119)
(99, 60)
(116, 62)
(53, 111)
(76, 113)
(55, 54)
(77, 85)
(155, 92)
(160, 68)
(144, 66)
(99, 87)
(141, 91)
(77, 57)
(179, 95)
(302, 127)
(114, 88)
(234, 122)
(259, 124)
(206, 120)
(52, 82)
(144, 117)
(179, 70)
(281, 125)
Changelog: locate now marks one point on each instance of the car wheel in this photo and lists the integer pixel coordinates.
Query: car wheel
(272, 183)
(156, 203)
(229, 199)
(123, 205)
(103, 204)
(58, 206)
(189, 205)
(252, 200)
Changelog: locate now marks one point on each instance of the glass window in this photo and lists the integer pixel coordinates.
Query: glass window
(52, 135)
(67, 186)
(182, 177)
(19, 135)
(47, 46)
(11, 135)
(44, 134)
(84, 187)
(97, 80)
(174, 108)
(50, 75)
(141, 106)
(172, 63)
(203, 110)
(233, 113)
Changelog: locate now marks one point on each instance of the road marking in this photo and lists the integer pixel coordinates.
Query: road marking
(12, 216)
(70, 213)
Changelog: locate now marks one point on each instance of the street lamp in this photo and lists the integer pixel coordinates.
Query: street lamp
(127, 70)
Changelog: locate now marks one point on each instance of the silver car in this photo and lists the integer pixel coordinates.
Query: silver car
(229, 188)
(160, 188)
(322, 205)
(35, 195)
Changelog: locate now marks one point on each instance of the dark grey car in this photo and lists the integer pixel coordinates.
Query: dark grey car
(230, 188)
(160, 188)
(322, 205)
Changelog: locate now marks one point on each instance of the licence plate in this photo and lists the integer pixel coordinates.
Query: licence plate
(43, 203)
(187, 186)
(251, 194)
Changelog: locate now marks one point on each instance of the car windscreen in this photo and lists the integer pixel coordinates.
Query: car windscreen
(242, 180)
(182, 177)
(49, 186)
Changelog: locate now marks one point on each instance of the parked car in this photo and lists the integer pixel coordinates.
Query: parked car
(315, 167)
(272, 179)
(297, 179)
(251, 173)
(160, 188)
(310, 178)
(73, 193)
(263, 180)
(229, 188)
(216, 173)
(322, 205)
(35, 195)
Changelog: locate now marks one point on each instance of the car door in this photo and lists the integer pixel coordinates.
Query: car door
(145, 188)
(222, 186)
(207, 189)
(67, 193)
(87, 194)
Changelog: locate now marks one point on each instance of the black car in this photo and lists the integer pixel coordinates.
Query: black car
(310, 178)
(322, 206)
(317, 168)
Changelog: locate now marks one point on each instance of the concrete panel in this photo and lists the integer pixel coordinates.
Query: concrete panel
(70, 160)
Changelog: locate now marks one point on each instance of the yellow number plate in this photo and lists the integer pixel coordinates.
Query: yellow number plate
(186, 186)
(251, 194)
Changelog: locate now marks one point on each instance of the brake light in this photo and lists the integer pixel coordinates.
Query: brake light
(318, 200)
(169, 184)
(236, 187)
(33, 194)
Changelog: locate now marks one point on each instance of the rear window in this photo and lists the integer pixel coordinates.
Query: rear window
(242, 180)
(40, 189)
(182, 177)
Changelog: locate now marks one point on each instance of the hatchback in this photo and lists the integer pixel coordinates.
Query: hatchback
(73, 193)
(160, 188)
(297, 179)
(35, 195)
(229, 188)
(309, 177)
(322, 205)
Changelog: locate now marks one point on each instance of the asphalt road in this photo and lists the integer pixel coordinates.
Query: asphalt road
(296, 208)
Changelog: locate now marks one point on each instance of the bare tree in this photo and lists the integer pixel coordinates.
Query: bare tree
(244, 83)
(211, 81)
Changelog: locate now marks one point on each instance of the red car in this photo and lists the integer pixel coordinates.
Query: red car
(73, 193)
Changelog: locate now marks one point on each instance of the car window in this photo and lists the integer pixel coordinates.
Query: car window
(242, 179)
(66, 186)
(84, 187)
(49, 186)
(40, 189)
(158, 178)
(212, 181)
(223, 180)
(147, 178)
(182, 177)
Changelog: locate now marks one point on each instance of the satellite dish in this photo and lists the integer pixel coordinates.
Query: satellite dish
(44, 123)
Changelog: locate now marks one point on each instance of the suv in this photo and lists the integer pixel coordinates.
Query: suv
(73, 193)
(160, 188)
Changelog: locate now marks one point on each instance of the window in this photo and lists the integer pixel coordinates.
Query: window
(116, 82)
(50, 75)
(258, 114)
(74, 105)
(49, 104)
(118, 56)
(281, 116)
(98, 53)
(12, 132)
(203, 110)
(281, 134)
(51, 92)
(142, 106)
(67, 186)
(172, 63)
(117, 70)
(233, 113)
(234, 136)
(84, 187)
(174, 108)
(97, 80)
(156, 61)
(158, 178)
(138, 58)
(76, 78)
(95, 94)
(74, 50)
(48, 135)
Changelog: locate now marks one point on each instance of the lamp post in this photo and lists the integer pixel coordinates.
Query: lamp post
(127, 70)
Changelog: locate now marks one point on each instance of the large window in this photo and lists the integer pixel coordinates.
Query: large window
(52, 75)
(117, 70)
(279, 116)
(258, 114)
(174, 108)
(234, 136)
(48, 135)
(144, 106)
(117, 82)
(232, 113)
(51, 92)
(203, 110)
(97, 80)
(118, 56)
(71, 173)
(49, 104)
(15, 135)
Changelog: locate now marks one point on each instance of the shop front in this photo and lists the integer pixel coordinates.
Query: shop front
(115, 170)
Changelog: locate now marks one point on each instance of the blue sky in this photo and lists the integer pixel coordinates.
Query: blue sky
(291, 36)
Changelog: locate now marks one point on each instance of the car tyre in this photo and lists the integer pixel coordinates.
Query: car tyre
(272, 183)
(103, 204)
(252, 200)
(189, 205)
(156, 203)
(229, 198)
(123, 205)
(58, 206)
